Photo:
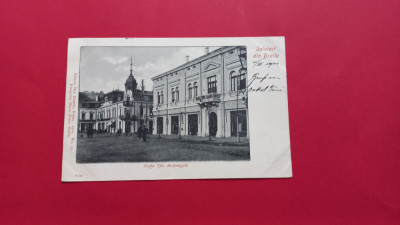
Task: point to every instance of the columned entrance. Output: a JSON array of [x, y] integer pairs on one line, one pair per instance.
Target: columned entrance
[[213, 124]]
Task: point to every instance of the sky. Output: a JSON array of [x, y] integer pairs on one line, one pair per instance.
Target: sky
[[107, 68]]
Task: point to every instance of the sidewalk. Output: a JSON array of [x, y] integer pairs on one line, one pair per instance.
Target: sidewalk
[[221, 141], [227, 141]]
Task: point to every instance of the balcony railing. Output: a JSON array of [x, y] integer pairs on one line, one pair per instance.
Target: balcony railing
[[213, 97], [128, 103], [88, 120], [103, 119]]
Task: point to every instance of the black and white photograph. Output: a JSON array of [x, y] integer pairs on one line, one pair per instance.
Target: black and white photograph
[[161, 104]]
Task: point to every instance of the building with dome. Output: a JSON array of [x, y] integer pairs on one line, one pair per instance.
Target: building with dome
[[125, 110]]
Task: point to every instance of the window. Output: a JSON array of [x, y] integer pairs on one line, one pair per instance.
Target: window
[[177, 94], [83, 115], [120, 111], [212, 84], [234, 80], [172, 95], [91, 116], [190, 91], [162, 97], [158, 98], [141, 110], [195, 89], [242, 84], [128, 98]]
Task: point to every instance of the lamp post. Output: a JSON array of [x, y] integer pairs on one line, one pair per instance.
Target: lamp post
[[237, 110], [180, 125], [243, 64], [158, 125]]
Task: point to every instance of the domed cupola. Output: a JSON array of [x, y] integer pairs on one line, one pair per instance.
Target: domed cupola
[[131, 83]]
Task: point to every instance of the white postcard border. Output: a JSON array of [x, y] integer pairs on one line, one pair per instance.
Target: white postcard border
[[268, 120]]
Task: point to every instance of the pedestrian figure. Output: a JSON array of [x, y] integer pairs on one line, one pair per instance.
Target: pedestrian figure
[[140, 132], [144, 133]]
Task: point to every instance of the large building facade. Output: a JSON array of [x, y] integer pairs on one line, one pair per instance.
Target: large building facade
[[203, 96], [116, 110]]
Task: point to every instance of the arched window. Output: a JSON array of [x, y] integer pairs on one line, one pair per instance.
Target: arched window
[[195, 89], [177, 94], [172, 95], [128, 98], [190, 91], [234, 81], [242, 73]]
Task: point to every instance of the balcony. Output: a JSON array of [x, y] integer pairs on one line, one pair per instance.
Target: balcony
[[103, 119], [87, 120], [213, 97], [128, 103]]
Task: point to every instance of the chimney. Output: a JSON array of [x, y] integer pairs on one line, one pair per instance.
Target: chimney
[[206, 50], [187, 58]]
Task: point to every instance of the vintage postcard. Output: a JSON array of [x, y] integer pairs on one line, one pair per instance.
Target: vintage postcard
[[176, 108]]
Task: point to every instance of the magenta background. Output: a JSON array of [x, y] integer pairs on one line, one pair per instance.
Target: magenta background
[[343, 86]]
